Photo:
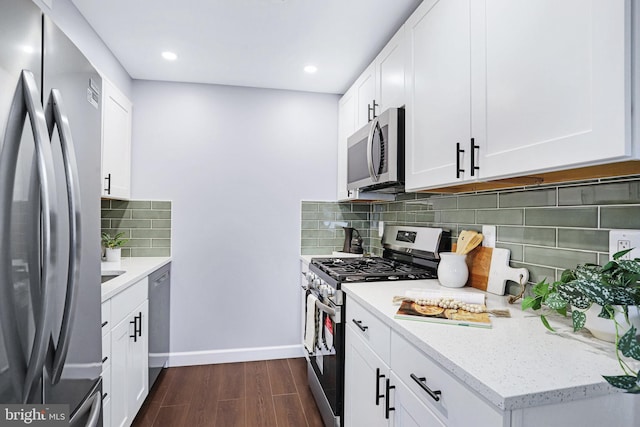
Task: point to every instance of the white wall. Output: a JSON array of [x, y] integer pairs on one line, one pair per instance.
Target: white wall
[[236, 163], [65, 15]]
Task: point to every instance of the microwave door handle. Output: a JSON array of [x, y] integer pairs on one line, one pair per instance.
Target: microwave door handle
[[372, 169]]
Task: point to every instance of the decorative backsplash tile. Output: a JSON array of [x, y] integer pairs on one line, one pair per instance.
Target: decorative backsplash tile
[[146, 223], [546, 228]]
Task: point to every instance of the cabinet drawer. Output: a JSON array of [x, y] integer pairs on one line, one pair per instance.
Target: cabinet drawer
[[370, 328], [126, 301], [456, 404], [106, 350], [106, 316]]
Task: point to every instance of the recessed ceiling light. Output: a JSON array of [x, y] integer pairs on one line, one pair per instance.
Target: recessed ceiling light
[[310, 69], [169, 56]]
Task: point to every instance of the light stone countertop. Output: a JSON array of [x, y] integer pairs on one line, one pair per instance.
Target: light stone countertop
[[135, 270], [515, 364]]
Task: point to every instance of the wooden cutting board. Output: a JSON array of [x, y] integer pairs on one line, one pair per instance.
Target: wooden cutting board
[[489, 269]]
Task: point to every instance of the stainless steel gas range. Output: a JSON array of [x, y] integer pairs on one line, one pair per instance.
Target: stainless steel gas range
[[410, 253]]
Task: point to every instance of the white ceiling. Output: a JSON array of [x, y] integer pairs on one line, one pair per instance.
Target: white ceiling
[[257, 43]]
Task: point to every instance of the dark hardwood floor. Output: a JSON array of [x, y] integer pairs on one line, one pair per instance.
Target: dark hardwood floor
[[251, 394]]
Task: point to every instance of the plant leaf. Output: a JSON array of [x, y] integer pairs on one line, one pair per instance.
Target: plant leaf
[[546, 324], [624, 296], [579, 318], [556, 302], [629, 265], [531, 302], [626, 382], [567, 276], [541, 289], [629, 345], [595, 291], [573, 296], [620, 254]]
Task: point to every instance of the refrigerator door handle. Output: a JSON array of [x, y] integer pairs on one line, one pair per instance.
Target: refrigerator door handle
[[56, 115], [26, 101]]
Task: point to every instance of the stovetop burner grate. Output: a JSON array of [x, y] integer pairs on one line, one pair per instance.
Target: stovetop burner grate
[[370, 269]]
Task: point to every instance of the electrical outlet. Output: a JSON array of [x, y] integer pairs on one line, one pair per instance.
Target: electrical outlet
[[620, 240], [489, 236]]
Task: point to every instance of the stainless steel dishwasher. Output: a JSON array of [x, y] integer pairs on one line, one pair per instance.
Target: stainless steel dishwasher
[[159, 320]]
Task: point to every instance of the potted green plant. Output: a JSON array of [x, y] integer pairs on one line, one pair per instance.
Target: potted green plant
[[615, 289], [113, 246]]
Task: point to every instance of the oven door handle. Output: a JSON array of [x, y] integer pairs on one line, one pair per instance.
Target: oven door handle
[[333, 312]]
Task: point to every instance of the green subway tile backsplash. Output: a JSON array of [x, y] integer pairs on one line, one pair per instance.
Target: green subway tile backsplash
[[547, 229], [146, 223], [562, 217]]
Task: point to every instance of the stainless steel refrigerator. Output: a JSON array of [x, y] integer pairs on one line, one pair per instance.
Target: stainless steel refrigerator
[[50, 144]]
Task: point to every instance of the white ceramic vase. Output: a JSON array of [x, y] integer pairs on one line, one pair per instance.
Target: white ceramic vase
[[452, 270], [113, 255], [605, 329]]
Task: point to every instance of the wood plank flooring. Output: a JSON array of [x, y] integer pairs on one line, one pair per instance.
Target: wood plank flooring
[[271, 393]]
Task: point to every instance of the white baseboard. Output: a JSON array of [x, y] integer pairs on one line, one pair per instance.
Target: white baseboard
[[208, 357]]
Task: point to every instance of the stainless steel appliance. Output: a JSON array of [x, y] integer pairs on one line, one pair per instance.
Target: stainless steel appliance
[[159, 320], [50, 130], [410, 253], [375, 154]]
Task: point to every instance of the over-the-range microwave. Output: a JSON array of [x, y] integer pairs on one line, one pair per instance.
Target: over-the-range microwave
[[375, 156]]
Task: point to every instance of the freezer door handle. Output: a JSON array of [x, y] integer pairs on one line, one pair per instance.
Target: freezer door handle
[[56, 116], [93, 404], [26, 101]]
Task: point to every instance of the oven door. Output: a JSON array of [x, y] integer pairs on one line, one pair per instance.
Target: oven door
[[372, 154], [326, 361]]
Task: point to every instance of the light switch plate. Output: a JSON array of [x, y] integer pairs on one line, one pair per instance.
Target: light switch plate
[[489, 236], [620, 240]]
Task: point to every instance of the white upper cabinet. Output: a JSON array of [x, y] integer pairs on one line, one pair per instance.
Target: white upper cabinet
[[365, 92], [438, 113], [390, 65], [116, 143], [346, 127], [539, 85], [551, 84]]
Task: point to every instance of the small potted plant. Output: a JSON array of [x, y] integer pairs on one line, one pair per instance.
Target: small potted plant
[[609, 295], [113, 246]]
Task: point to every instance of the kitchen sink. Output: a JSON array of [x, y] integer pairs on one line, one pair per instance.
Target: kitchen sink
[[107, 275]]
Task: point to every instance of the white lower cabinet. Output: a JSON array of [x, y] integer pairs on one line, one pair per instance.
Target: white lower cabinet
[[129, 347], [366, 377]]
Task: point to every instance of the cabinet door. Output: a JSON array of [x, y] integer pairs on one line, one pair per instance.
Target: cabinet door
[[390, 73], [346, 127], [365, 91], [409, 410], [116, 143], [556, 90], [120, 355], [138, 379], [365, 378], [438, 111]]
